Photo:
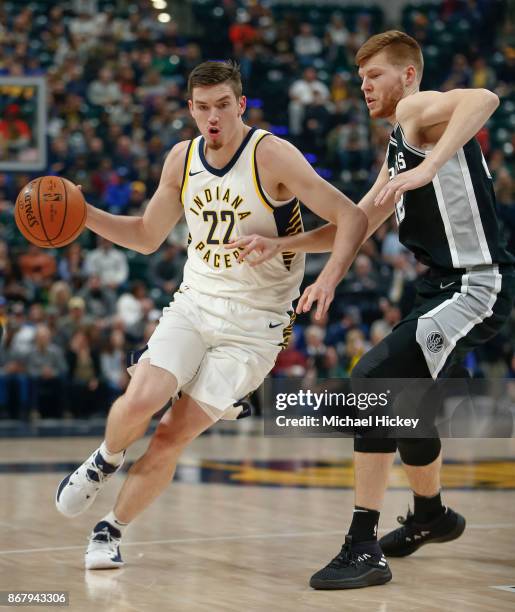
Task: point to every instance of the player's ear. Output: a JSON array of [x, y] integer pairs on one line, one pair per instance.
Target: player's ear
[[190, 106], [242, 105], [410, 76]]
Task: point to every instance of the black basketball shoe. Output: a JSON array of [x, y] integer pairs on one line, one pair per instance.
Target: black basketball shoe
[[356, 566], [411, 535]]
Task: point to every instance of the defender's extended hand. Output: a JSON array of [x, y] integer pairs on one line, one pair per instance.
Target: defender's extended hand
[[265, 248], [322, 292], [406, 181]]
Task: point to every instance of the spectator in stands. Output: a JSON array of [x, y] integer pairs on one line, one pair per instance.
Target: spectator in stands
[[130, 307], [23, 329], [290, 361], [337, 331], [36, 265], [46, 366], [14, 381], [315, 347], [353, 145], [301, 94], [166, 268], [337, 34], [74, 321], [330, 366], [242, 32], [339, 89], [307, 45], [482, 74], [100, 300], [317, 120], [108, 263], [460, 74], [104, 90], [71, 264], [59, 296], [85, 391], [256, 118], [112, 365], [378, 330], [118, 192]]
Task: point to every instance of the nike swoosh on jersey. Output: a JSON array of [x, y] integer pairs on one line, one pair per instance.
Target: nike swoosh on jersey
[[194, 173], [442, 286], [271, 325]]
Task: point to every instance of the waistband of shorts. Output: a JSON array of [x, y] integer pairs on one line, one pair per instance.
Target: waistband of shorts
[[205, 300], [437, 272]]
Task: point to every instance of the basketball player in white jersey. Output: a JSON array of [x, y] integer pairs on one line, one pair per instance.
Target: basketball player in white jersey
[[220, 336]]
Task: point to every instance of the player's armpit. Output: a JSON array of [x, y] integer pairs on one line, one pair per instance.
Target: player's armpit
[[165, 209]]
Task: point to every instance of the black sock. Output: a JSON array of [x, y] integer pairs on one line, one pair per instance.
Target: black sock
[[364, 525], [427, 508]]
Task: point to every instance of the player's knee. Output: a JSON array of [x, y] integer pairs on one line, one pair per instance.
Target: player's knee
[[169, 439], [419, 451], [374, 445], [143, 400]]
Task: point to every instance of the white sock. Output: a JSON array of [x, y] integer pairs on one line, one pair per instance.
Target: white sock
[[112, 520], [112, 458]]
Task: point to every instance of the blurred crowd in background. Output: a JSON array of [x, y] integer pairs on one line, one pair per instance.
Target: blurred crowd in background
[[116, 77]]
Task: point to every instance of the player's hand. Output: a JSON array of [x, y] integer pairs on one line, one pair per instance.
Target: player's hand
[[322, 292], [406, 181], [263, 248]]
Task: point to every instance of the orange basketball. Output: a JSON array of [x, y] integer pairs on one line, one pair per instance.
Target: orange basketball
[[50, 211]]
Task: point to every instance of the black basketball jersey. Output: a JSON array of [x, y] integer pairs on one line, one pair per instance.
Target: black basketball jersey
[[450, 222]]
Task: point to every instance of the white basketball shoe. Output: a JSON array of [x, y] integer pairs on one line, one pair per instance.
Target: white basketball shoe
[[104, 547], [78, 490]]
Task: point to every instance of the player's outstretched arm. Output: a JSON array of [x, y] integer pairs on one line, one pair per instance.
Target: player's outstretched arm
[[319, 240], [286, 165], [146, 233], [447, 119]]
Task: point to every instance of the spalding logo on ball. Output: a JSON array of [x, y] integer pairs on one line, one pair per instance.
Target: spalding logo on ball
[[50, 211]]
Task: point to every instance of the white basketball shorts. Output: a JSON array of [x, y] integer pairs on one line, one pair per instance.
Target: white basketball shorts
[[219, 350]]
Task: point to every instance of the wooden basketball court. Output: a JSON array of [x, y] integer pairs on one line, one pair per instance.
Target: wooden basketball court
[[247, 522]]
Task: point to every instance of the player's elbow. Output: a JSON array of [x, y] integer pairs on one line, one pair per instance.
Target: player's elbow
[[490, 98], [148, 249]]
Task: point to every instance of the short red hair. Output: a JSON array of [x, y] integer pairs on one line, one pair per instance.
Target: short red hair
[[401, 49]]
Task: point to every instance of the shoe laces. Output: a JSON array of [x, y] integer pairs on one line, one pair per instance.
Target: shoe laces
[[406, 520], [346, 557], [95, 473], [407, 526], [105, 539]]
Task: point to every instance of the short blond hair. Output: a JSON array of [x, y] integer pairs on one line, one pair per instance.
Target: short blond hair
[[401, 50]]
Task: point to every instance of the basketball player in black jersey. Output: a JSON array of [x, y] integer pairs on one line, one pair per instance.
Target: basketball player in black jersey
[[437, 183]]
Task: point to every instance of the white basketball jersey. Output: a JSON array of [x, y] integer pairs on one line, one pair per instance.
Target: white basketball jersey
[[223, 204]]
